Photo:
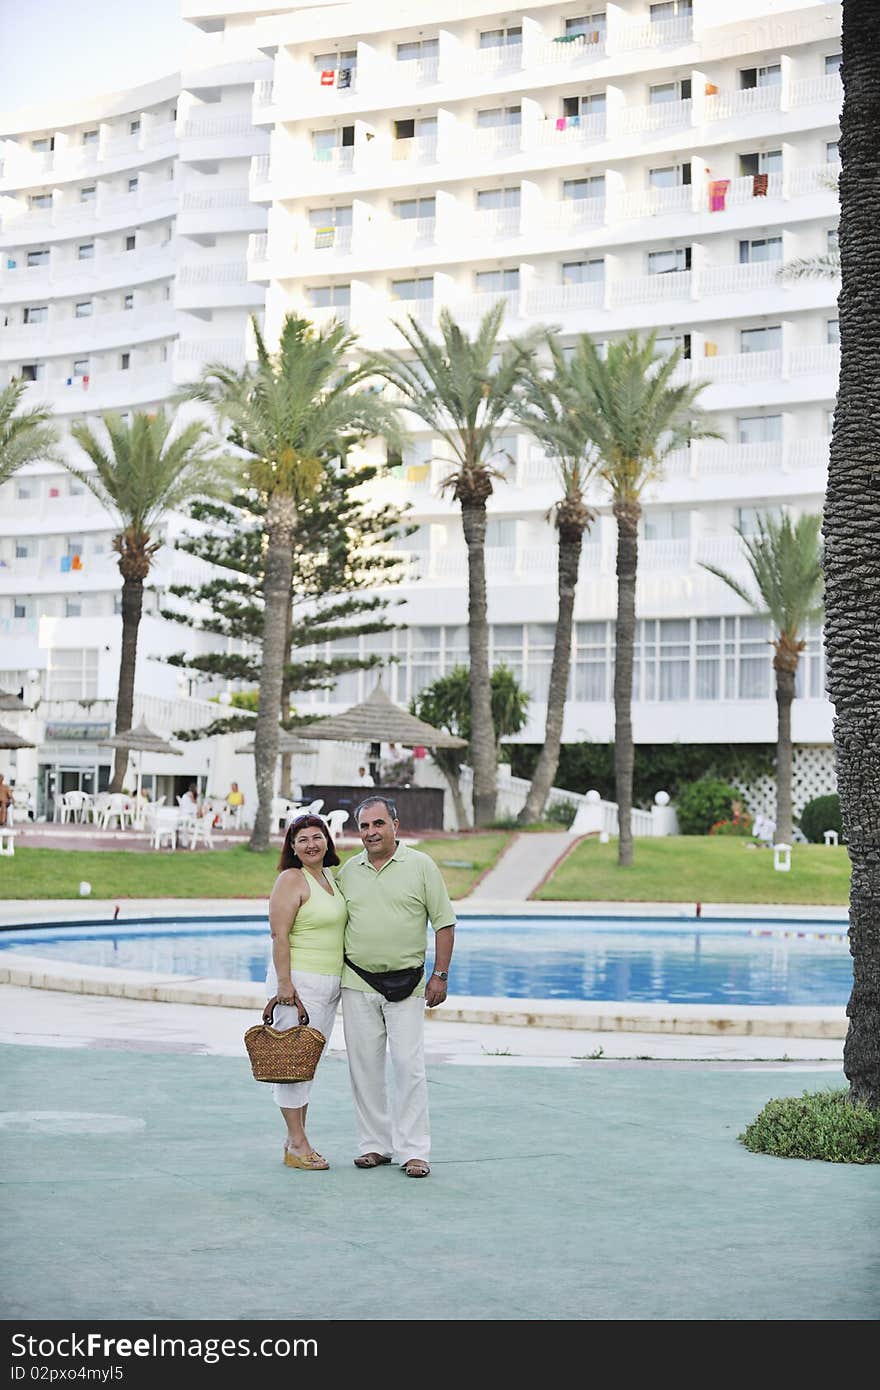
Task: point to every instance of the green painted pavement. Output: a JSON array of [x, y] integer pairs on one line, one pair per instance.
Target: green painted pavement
[[603, 1191]]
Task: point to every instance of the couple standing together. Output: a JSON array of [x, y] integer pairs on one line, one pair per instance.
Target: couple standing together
[[347, 935]]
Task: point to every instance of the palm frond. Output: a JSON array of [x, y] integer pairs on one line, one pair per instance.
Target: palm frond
[[784, 558], [825, 267], [26, 436]]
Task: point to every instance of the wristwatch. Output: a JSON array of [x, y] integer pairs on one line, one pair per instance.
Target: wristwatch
[[442, 975]]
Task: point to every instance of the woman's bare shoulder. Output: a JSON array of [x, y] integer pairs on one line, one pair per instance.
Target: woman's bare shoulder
[[291, 882]]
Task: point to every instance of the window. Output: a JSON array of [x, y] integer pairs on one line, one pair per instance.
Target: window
[[669, 91], [766, 162], [665, 262], [89, 194], [40, 257], [760, 339], [134, 127], [21, 608], [593, 104], [83, 310], [72, 674], [592, 661], [832, 332], [539, 657], [130, 241], [493, 199], [408, 209], [831, 242], [22, 549], [405, 129], [832, 63], [669, 176], [85, 251], [417, 48], [667, 344], [330, 217], [44, 144], [40, 201], [499, 116], [587, 25], [38, 313], [81, 367], [768, 76], [133, 184], [496, 281], [501, 38], [124, 361], [759, 429], [667, 524], [91, 137], [583, 272], [747, 518], [760, 249], [593, 186], [332, 62], [329, 296], [422, 288], [832, 152], [73, 607], [75, 488], [33, 371], [671, 9], [128, 301]]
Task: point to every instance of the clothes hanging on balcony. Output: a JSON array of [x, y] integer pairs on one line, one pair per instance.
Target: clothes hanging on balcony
[[76, 562], [328, 77], [561, 122], [65, 563], [759, 185], [718, 194], [711, 90], [324, 236], [343, 78], [710, 349]]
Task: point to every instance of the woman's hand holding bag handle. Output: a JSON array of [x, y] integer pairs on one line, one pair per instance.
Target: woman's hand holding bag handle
[[269, 1010]]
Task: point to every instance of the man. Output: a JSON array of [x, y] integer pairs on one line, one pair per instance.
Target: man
[[364, 779], [392, 893], [6, 800]]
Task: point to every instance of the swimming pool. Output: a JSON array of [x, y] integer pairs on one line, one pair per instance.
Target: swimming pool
[[637, 959]]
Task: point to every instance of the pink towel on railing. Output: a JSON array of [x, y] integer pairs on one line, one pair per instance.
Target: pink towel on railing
[[718, 194], [560, 123]]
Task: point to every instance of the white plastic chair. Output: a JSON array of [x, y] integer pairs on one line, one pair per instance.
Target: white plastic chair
[[164, 826], [202, 829], [62, 810], [117, 808], [314, 807], [76, 803], [335, 821]]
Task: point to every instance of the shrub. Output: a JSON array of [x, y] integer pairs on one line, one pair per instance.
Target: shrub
[[703, 804], [825, 1125], [740, 823], [819, 815], [561, 813]]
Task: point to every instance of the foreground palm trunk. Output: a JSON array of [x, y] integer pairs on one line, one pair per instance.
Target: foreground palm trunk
[[852, 541], [473, 516], [280, 529], [571, 522], [134, 566], [627, 515]]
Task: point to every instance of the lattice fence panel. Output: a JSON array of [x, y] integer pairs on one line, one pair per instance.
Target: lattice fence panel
[[813, 774]]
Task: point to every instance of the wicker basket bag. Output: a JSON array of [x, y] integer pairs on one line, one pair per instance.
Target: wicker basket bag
[[284, 1054]]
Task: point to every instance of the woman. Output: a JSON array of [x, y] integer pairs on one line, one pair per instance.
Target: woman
[[307, 915]]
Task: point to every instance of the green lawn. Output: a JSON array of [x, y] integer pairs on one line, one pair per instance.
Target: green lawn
[[693, 868], [219, 873]]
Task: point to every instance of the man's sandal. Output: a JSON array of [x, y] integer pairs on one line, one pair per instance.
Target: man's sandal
[[371, 1160], [416, 1168]]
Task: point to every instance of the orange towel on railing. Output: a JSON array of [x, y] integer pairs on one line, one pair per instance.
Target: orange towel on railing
[[710, 349], [711, 89], [759, 185], [718, 194]]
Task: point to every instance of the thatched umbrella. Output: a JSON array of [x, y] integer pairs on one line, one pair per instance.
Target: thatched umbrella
[[11, 702], [287, 743], [379, 720], [141, 740], [9, 739]]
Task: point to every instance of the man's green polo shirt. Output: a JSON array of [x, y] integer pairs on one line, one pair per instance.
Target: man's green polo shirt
[[389, 911]]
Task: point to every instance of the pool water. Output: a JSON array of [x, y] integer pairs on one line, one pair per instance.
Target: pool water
[[641, 961]]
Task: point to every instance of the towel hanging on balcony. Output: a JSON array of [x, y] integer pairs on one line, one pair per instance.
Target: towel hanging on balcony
[[343, 78], [560, 122], [711, 90], [718, 194], [759, 185], [328, 77], [324, 236], [76, 562], [65, 563], [710, 349]]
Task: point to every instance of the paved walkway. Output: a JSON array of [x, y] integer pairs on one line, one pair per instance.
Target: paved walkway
[[525, 864]]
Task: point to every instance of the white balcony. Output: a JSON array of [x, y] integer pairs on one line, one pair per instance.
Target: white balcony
[[725, 105], [105, 390], [417, 72], [407, 233], [421, 149], [258, 245], [563, 132], [537, 469], [712, 460], [742, 190], [554, 299], [816, 91], [664, 555], [196, 201], [739, 366], [66, 334], [422, 310], [196, 352], [648, 289], [496, 224], [264, 94], [572, 215], [493, 140], [328, 314], [589, 47], [735, 279], [665, 33], [815, 361], [653, 202], [479, 304], [338, 160], [661, 115], [217, 127], [807, 453], [821, 178], [489, 62], [213, 273]]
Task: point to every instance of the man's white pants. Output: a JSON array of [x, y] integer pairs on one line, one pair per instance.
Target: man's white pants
[[372, 1024]]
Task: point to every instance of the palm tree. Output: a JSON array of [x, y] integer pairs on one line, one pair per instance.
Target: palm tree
[[635, 417], [851, 527], [785, 559], [825, 267], [291, 414], [462, 388], [143, 471], [549, 409], [25, 435]]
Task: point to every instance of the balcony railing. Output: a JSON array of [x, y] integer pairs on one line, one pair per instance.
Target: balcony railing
[[193, 201], [476, 305], [264, 93], [665, 555], [338, 160], [813, 91], [421, 149], [643, 289], [496, 139], [713, 459], [486, 62], [742, 190], [733, 279], [723, 105], [815, 361], [580, 47], [417, 72], [213, 273], [258, 243], [560, 132], [820, 178], [659, 34], [490, 224], [227, 350], [553, 299], [216, 127], [573, 214], [654, 202], [740, 366], [408, 232], [658, 116]]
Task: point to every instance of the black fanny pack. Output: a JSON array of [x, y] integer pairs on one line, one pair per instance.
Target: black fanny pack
[[394, 985]]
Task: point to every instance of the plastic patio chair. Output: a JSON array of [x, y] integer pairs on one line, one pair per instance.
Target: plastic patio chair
[[202, 829], [164, 826], [335, 821], [117, 808]]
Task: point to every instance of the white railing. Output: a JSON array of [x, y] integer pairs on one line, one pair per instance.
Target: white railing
[[339, 159], [807, 453], [496, 139], [320, 239], [418, 71], [711, 459], [486, 62], [536, 469], [422, 310], [497, 222], [259, 170], [213, 273], [412, 231], [476, 305], [742, 190], [657, 116], [820, 178], [653, 202], [326, 314], [641, 289], [666, 555], [159, 134], [264, 92], [421, 149], [811, 91], [216, 127], [258, 244], [740, 366], [555, 298], [815, 361], [228, 350], [221, 198], [720, 551], [742, 103], [551, 133], [733, 279], [660, 34], [570, 214]]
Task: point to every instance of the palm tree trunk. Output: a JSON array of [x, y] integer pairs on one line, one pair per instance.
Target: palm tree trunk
[[473, 517], [280, 529], [286, 758], [571, 536], [851, 526], [784, 696], [459, 807], [132, 609], [627, 514]]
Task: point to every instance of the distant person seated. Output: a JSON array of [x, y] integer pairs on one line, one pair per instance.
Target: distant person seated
[[189, 802], [7, 799], [234, 797], [364, 779]]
